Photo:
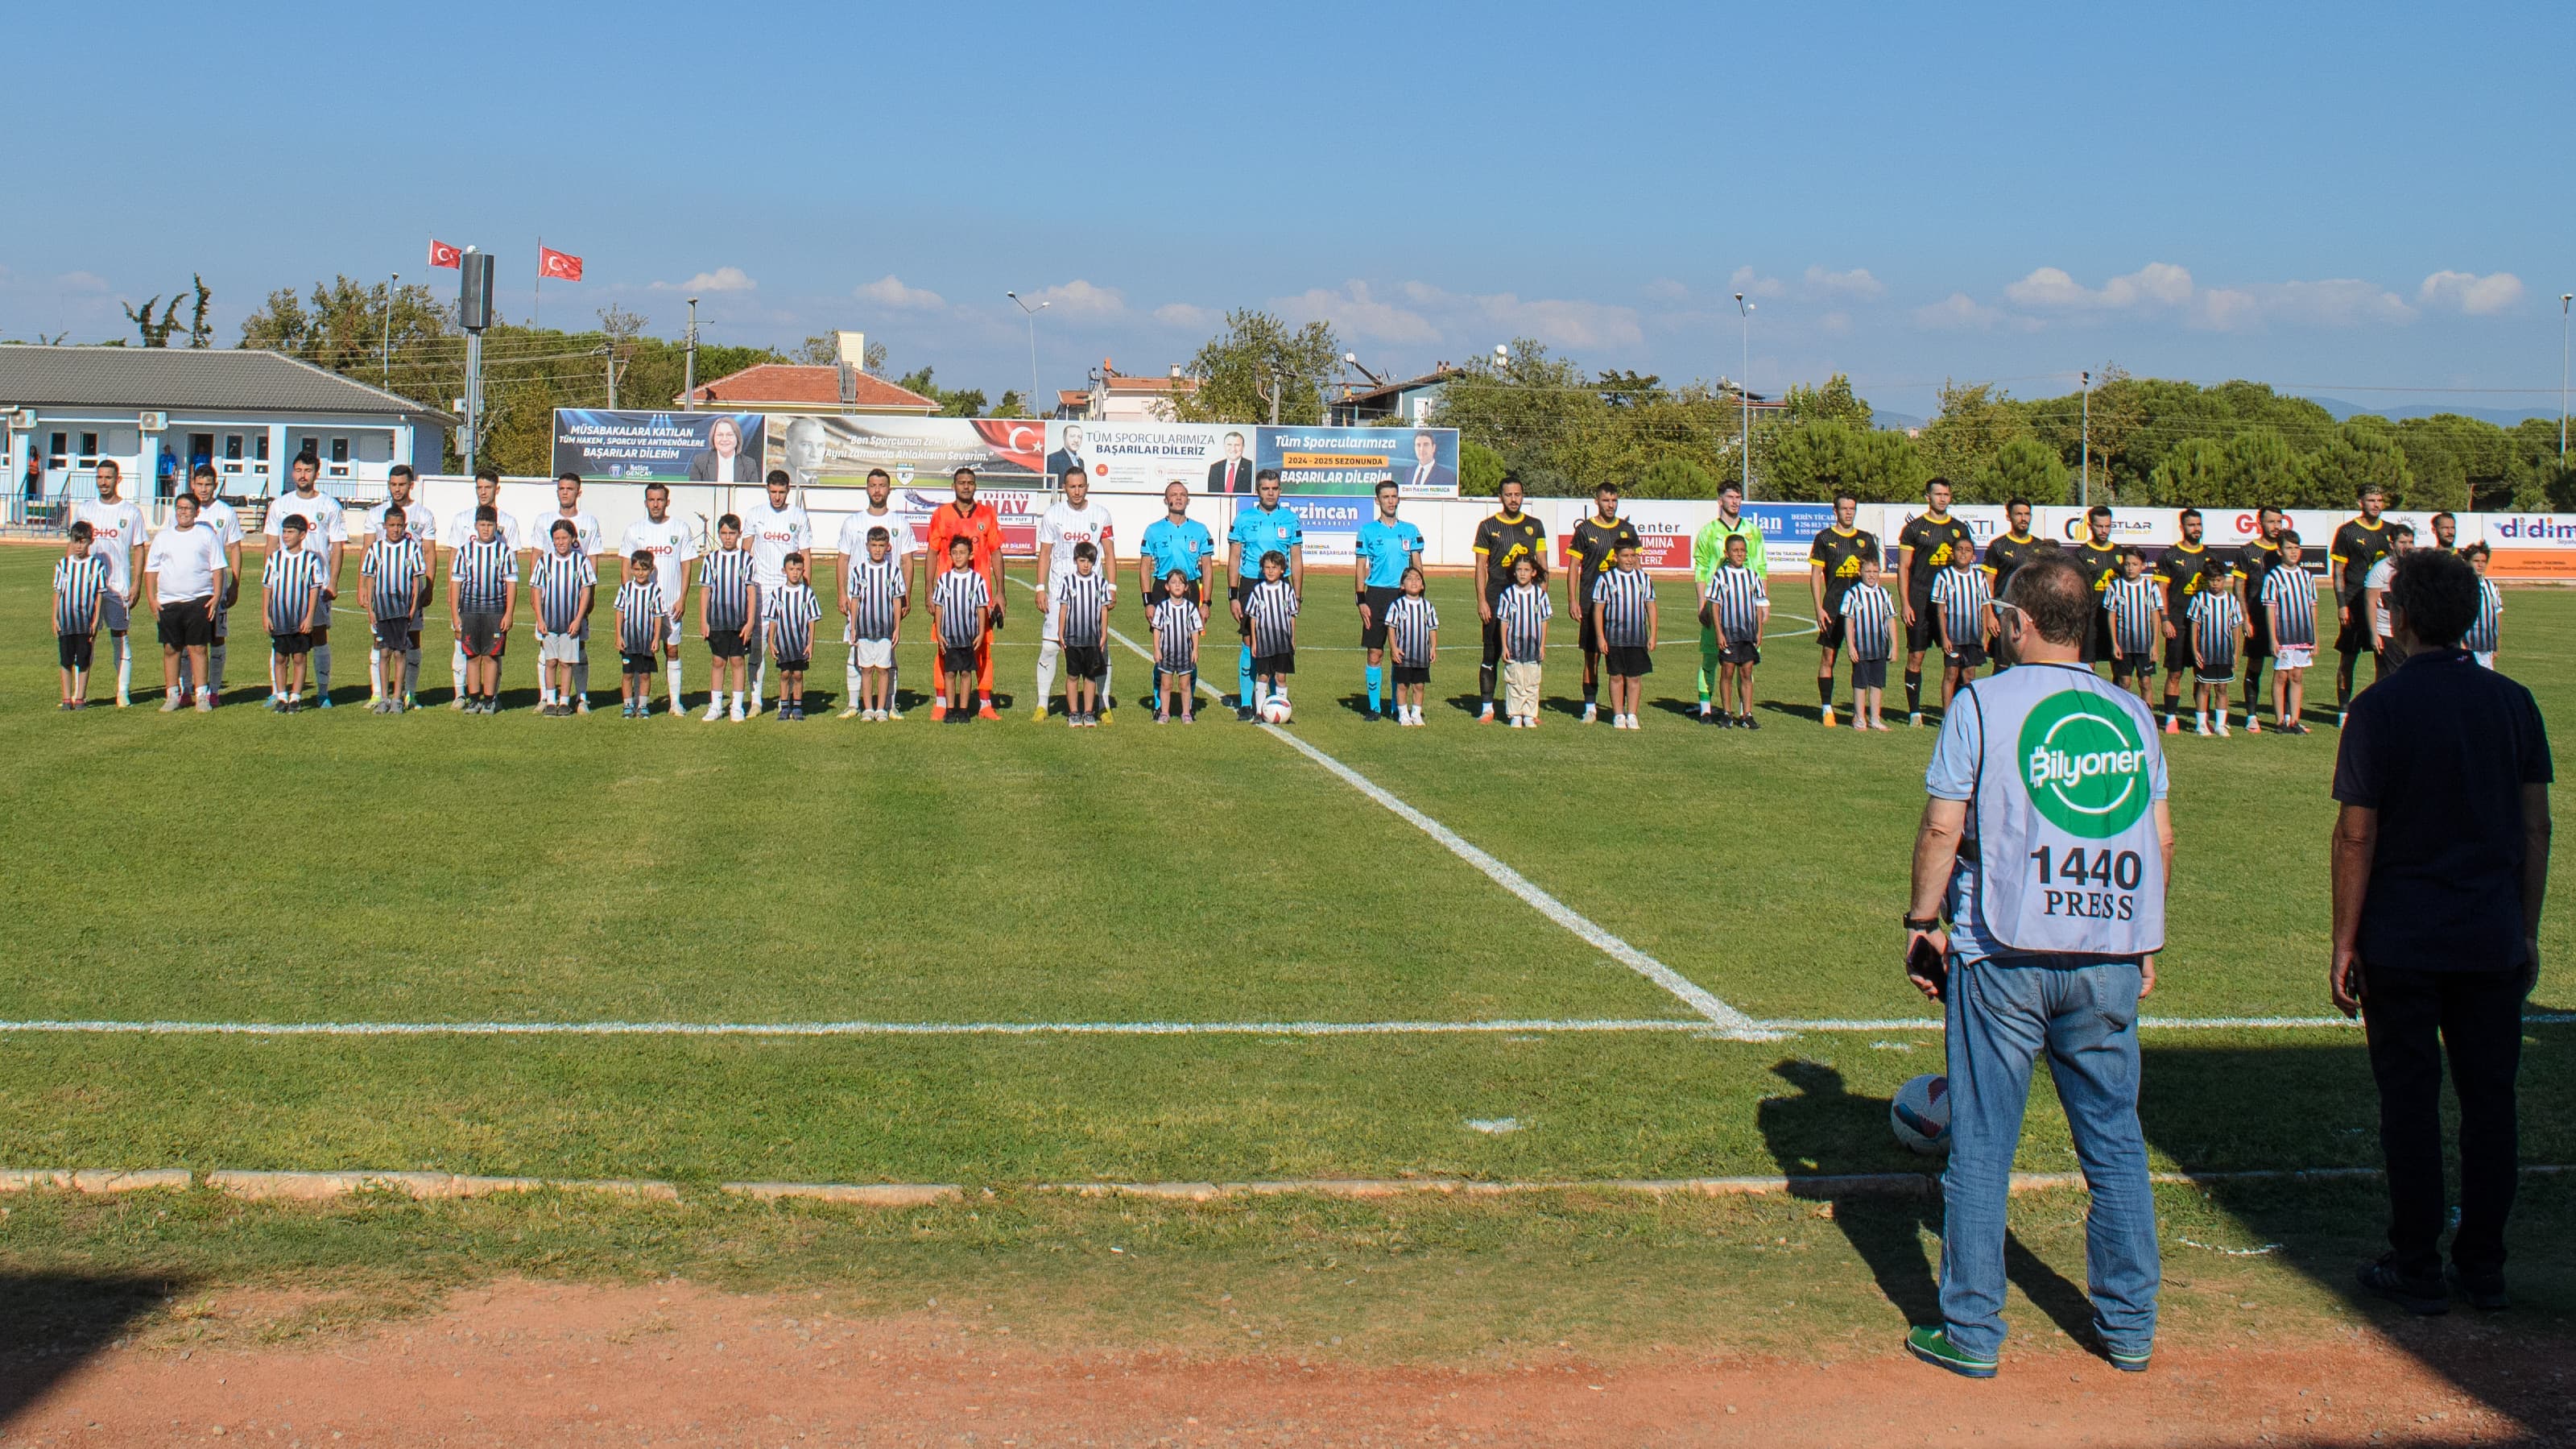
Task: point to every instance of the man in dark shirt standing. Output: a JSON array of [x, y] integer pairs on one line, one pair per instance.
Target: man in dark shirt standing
[[2254, 564], [2441, 857], [1502, 540], [1833, 567], [2184, 569], [2016, 546], [1923, 548], [2099, 560], [1595, 541], [2361, 542]]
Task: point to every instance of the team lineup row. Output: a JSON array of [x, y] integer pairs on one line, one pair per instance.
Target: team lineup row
[[757, 607]]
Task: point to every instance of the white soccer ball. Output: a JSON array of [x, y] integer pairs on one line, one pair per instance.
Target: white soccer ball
[[1274, 710], [1921, 1115]]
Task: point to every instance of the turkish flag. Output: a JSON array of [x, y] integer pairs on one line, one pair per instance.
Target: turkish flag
[[562, 266], [443, 255]]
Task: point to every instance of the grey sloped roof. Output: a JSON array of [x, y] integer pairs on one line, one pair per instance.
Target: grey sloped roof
[[210, 379]]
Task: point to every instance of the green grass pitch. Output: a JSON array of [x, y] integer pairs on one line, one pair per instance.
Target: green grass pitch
[[348, 868]]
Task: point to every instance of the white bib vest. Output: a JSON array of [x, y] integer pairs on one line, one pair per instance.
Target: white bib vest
[[2063, 815]]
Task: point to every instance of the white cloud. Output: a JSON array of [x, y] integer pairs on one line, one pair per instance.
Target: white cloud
[[2477, 296], [1187, 315], [1665, 289], [2336, 302], [722, 279], [1753, 284], [2155, 284], [1561, 322], [1855, 283], [889, 291], [1355, 311], [1957, 312], [1082, 299]]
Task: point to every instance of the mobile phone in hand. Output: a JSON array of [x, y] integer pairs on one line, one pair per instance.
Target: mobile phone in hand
[[1925, 961]]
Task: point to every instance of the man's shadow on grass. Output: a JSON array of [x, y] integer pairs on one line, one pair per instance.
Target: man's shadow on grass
[[1825, 1133], [51, 1324]]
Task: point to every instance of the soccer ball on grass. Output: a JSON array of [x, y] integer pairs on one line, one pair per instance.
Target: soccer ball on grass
[[1274, 710]]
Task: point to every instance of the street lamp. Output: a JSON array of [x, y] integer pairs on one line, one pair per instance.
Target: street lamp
[[2563, 299], [2085, 463], [1744, 389], [1033, 345], [387, 364]]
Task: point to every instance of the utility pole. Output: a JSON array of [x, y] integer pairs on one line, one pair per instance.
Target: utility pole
[[1032, 312], [689, 365], [2563, 299], [608, 350], [386, 375], [1744, 391], [2086, 455]]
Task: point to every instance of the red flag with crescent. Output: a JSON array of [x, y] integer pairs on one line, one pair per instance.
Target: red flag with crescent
[[558, 266], [443, 255]]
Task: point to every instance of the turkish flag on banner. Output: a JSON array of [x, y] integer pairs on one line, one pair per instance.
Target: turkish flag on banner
[[562, 266], [443, 255]]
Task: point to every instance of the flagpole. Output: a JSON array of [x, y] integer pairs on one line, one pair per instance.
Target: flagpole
[[537, 310]]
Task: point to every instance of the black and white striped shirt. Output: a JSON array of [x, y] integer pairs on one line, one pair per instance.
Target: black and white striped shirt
[[2132, 605], [2291, 592], [1176, 623], [292, 576], [961, 598], [1410, 622], [1082, 602], [726, 576], [1523, 611], [643, 621], [561, 582], [1624, 599], [397, 570], [481, 574], [792, 612], [2216, 620], [1271, 605], [78, 585], [1869, 622], [1961, 596], [2481, 638], [875, 588], [1736, 596]]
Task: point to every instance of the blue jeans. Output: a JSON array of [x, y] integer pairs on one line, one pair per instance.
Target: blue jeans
[[2083, 1011]]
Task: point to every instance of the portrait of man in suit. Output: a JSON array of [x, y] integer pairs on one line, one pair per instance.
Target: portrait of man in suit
[[809, 448], [1069, 455], [1428, 474], [724, 461], [1233, 472]]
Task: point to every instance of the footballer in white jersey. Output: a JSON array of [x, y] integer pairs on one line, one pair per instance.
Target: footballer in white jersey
[[418, 521], [116, 530], [673, 543], [775, 528], [1065, 524], [460, 527], [325, 524]]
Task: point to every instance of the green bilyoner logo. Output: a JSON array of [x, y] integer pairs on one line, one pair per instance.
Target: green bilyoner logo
[[2086, 764]]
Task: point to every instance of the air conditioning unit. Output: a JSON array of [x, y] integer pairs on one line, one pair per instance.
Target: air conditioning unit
[[155, 422], [24, 420]]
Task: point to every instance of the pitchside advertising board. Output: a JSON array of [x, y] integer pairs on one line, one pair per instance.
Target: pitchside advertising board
[[1667, 527], [650, 447]]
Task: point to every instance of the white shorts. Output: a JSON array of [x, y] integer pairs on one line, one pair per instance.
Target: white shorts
[[671, 634], [2294, 656], [562, 649], [874, 653], [2485, 660], [112, 613]]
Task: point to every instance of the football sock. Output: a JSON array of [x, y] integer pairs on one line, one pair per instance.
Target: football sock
[[759, 676], [1046, 676], [215, 665], [675, 681], [375, 675], [1243, 673], [1914, 691], [737, 700], [1825, 691], [2204, 718], [322, 672], [456, 661], [1106, 698], [411, 675], [124, 667], [1376, 686], [1592, 691], [581, 678]]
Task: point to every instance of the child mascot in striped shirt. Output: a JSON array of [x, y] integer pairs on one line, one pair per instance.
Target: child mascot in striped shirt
[[1523, 610], [643, 622], [1413, 637]]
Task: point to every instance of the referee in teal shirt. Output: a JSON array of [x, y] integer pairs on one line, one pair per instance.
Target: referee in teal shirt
[[1385, 548]]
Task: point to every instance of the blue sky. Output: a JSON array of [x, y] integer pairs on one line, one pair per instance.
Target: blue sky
[[2328, 198]]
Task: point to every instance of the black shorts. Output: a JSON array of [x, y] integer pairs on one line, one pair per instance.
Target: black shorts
[[2097, 641], [1869, 674], [1746, 653], [1274, 663], [1412, 674], [1085, 661], [2354, 636], [2221, 672], [394, 634], [727, 644], [1925, 632], [75, 650], [1831, 630], [1628, 661], [1373, 633], [1967, 656], [637, 663], [956, 660], [2141, 664], [793, 666], [186, 624], [288, 645], [2178, 654], [1587, 633], [483, 636], [2258, 638]]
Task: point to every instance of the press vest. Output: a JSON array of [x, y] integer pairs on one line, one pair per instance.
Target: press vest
[[2063, 815]]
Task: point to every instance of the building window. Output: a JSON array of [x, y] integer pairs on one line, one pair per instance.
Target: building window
[[339, 450], [61, 449], [263, 447], [232, 448], [89, 445]]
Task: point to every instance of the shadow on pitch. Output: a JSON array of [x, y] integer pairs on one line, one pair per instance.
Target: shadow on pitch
[[52, 1323], [1827, 1132]]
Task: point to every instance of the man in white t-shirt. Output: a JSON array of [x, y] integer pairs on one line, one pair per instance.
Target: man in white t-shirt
[[853, 546], [591, 539], [183, 579], [225, 521], [1070, 520], [117, 534], [774, 528], [673, 543], [460, 528], [2385, 652], [419, 523], [326, 533]]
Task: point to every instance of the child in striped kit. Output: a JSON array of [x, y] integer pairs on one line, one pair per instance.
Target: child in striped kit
[[2217, 637], [2137, 610], [1624, 597], [1082, 601], [643, 622], [792, 612], [397, 572], [1270, 608], [1736, 605], [1178, 622], [879, 597], [1961, 595], [2290, 601], [728, 612], [2486, 631], [1869, 626], [292, 580], [562, 585], [1523, 611], [1412, 636], [960, 607], [80, 581]]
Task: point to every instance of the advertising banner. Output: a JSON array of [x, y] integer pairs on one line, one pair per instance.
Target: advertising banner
[[1424, 461], [1145, 457], [2528, 545], [1331, 523], [1019, 508], [647, 447], [837, 452]]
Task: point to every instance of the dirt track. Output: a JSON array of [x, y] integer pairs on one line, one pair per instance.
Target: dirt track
[[521, 1363]]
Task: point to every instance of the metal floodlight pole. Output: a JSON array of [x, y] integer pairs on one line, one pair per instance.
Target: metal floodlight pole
[[2563, 299], [1032, 313], [2085, 456], [689, 366], [1744, 394], [386, 365]]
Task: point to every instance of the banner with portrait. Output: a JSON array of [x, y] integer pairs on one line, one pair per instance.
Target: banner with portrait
[[1147, 457], [665, 447], [838, 451], [1422, 461]]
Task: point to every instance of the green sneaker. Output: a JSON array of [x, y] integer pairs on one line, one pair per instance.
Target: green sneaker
[[1933, 1346], [2126, 1361]]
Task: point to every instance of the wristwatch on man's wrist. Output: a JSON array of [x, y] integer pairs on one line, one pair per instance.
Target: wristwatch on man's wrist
[[1922, 923]]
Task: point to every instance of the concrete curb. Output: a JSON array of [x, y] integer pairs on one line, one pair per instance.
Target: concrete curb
[[868, 1194], [89, 1180]]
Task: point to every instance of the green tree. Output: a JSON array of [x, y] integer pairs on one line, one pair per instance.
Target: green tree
[[2193, 475], [1256, 359], [155, 333], [1814, 460], [1834, 401], [2024, 467], [2356, 458], [2261, 469], [1673, 476], [1974, 423], [342, 326], [1480, 470], [953, 402]]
